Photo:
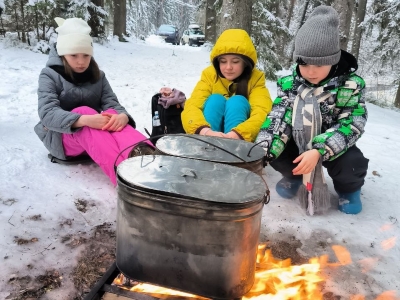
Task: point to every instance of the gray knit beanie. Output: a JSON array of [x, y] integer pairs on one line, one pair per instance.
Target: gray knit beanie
[[317, 42]]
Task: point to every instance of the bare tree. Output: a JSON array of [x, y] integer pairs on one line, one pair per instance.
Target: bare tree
[[355, 47], [235, 14], [120, 19]]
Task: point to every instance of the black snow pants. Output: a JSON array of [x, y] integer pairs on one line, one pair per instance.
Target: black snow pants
[[347, 171]]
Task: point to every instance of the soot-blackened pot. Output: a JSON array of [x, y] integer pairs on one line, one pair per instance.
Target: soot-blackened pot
[[189, 225]]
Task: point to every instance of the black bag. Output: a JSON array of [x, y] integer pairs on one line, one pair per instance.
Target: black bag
[[170, 118]]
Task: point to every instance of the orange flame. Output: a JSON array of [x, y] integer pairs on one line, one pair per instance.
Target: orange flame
[[279, 280], [386, 227], [342, 254], [357, 297], [389, 243], [388, 295], [368, 263], [157, 291]]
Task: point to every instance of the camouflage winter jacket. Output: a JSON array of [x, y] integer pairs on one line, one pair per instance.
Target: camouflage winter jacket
[[344, 116]]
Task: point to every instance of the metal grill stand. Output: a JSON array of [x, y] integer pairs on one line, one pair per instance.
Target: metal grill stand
[[104, 285]]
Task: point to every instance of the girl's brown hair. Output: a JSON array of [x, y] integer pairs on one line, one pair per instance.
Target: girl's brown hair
[[242, 81], [93, 69]]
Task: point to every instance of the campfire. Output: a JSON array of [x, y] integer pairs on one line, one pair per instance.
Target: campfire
[[274, 279]]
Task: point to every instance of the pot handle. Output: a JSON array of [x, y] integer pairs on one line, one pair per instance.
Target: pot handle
[[267, 196]]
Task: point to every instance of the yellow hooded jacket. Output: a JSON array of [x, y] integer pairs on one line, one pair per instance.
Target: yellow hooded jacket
[[231, 41]]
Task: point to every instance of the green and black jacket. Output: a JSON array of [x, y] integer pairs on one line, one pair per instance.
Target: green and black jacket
[[344, 116]]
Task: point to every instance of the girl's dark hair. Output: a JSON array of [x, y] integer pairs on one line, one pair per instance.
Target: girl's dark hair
[[93, 70], [242, 81]]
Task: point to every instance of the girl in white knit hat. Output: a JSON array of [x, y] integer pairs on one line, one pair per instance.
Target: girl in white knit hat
[[79, 113], [317, 118]]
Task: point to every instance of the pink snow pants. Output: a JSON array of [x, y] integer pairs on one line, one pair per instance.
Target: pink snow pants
[[102, 146]]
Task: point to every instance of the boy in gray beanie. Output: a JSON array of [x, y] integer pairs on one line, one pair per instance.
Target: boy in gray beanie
[[317, 118]]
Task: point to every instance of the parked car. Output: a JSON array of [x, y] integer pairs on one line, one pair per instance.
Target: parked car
[[193, 36], [169, 32]]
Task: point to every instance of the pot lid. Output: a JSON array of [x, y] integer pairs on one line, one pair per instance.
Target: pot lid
[[210, 148], [196, 179]]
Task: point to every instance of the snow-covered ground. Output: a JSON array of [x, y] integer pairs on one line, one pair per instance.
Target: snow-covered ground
[[31, 185]]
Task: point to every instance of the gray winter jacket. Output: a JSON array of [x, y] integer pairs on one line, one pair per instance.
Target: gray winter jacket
[[57, 97]]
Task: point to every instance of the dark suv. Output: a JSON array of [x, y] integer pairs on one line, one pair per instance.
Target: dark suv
[[170, 33]]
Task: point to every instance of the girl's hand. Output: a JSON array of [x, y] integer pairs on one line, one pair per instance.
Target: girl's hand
[[93, 121], [116, 122], [208, 132], [307, 162], [232, 135]]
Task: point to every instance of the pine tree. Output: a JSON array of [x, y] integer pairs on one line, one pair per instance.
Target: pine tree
[[265, 31]]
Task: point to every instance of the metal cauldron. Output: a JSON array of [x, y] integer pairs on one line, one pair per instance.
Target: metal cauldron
[[234, 152], [189, 225]]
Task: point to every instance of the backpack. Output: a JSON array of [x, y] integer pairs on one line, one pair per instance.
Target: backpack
[[169, 119]]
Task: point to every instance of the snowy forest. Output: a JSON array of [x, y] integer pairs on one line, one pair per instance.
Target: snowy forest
[[368, 28]]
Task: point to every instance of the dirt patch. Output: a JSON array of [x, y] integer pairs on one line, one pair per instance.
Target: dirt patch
[[9, 202], [82, 205], [97, 256], [95, 259], [35, 217], [73, 241], [285, 249], [21, 241], [33, 288], [66, 222]]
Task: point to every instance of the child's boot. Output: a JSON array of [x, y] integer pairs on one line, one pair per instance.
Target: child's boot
[[350, 203], [288, 187]]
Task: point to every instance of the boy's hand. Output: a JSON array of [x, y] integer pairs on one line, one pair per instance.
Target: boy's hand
[[307, 162], [116, 122]]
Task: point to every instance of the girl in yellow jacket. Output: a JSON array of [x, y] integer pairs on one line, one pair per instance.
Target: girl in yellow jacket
[[231, 99]]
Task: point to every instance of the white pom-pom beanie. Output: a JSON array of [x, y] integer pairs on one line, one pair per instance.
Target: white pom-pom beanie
[[73, 37]]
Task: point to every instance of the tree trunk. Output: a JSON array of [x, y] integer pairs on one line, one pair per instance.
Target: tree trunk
[[37, 23], [301, 22], [290, 12], [397, 99], [44, 23], [303, 13], [160, 12], [16, 21], [235, 14], [211, 26], [23, 21], [95, 20], [355, 47], [120, 19], [345, 11]]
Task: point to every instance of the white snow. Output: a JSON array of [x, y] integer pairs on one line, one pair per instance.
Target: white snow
[[31, 185]]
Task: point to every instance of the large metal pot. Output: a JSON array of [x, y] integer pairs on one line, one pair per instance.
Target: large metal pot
[[189, 225], [234, 152]]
